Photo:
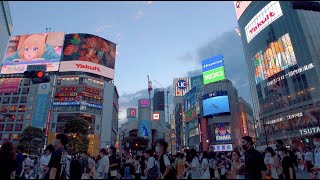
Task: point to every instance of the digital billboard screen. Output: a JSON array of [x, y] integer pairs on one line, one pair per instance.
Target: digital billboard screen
[[216, 105], [212, 63], [214, 75], [10, 85], [144, 128], [276, 57], [220, 132], [88, 53], [33, 49], [190, 103]]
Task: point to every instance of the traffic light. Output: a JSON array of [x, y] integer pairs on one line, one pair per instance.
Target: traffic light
[[37, 77], [10, 116]]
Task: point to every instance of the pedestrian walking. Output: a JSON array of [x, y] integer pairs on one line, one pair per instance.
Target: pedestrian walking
[[287, 164], [166, 170], [195, 165], [237, 165], [254, 162], [104, 164], [7, 161], [316, 169], [204, 166], [273, 163]]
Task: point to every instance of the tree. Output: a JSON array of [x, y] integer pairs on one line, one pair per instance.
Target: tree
[[78, 131], [32, 139]]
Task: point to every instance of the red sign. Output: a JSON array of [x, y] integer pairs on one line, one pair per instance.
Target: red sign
[[156, 116], [67, 99], [264, 20], [91, 90], [68, 89], [10, 85], [91, 96], [133, 112]]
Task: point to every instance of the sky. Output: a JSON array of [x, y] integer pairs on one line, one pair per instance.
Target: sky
[[154, 38]]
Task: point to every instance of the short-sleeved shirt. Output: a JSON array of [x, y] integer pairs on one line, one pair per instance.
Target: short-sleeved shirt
[[104, 162], [254, 164], [286, 165], [55, 161]]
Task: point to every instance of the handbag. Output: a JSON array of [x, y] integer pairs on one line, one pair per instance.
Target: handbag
[[153, 173]]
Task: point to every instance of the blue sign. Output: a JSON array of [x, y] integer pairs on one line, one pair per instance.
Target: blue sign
[[216, 105], [77, 103], [190, 99], [144, 128], [40, 111], [212, 63], [197, 81], [182, 84]]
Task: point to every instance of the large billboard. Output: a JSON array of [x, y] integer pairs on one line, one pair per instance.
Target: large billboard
[[240, 7], [276, 57], [216, 105], [197, 81], [214, 75], [41, 108], [9, 85], [33, 49], [144, 128], [262, 19], [181, 86], [220, 132], [88, 53], [190, 104], [212, 63]]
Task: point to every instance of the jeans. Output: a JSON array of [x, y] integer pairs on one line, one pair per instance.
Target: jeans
[[106, 175]]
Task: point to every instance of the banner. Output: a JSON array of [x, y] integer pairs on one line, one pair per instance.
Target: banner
[[10, 85], [145, 128]]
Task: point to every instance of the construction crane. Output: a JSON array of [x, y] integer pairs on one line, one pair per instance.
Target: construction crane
[[167, 92]]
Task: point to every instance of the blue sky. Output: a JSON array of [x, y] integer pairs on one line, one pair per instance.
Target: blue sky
[[155, 38]]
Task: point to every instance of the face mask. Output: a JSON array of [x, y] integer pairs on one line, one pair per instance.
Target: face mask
[[244, 147], [157, 149], [235, 158], [317, 144]]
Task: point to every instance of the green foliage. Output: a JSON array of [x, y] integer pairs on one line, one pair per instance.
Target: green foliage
[[78, 131], [32, 139]]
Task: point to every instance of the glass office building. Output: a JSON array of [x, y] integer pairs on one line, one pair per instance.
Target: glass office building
[[6, 27], [281, 45]]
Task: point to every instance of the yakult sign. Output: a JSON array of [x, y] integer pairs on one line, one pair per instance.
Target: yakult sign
[[266, 16]]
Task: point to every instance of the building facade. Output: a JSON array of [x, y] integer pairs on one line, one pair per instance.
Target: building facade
[[281, 45], [159, 103], [6, 27], [81, 87]]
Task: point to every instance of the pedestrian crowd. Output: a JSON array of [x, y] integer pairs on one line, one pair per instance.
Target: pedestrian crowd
[[244, 162]]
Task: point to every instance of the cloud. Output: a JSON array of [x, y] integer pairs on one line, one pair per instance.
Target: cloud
[[139, 14], [187, 56], [149, 2], [103, 28], [229, 45]]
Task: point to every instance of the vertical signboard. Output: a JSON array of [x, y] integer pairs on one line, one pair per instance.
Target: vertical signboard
[[213, 69], [41, 106], [181, 86], [10, 85], [144, 128]]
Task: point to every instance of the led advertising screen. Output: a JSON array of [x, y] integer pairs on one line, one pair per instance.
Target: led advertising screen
[[88, 53], [216, 105], [214, 75], [212, 63], [221, 132], [10, 85], [33, 49], [144, 128], [189, 100], [197, 81], [276, 57]]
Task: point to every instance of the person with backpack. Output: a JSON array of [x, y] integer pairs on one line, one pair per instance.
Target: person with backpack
[[166, 170], [57, 167], [152, 169], [76, 168]]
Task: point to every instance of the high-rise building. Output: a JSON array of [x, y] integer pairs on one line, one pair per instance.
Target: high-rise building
[[159, 103], [81, 87], [281, 45], [6, 27]]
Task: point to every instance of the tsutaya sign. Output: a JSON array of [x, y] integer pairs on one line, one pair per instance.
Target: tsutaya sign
[[266, 16], [310, 131]]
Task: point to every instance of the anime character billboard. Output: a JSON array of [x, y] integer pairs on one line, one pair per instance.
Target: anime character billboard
[[144, 128], [33, 49]]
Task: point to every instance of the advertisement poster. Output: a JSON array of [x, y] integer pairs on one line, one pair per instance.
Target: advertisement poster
[[181, 86], [10, 85], [212, 63], [197, 81], [190, 104], [89, 48], [41, 106], [216, 105], [33, 49], [276, 57], [214, 75], [221, 132], [144, 128]]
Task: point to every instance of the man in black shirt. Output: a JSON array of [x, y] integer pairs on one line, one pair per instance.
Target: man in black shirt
[[55, 162], [287, 164], [254, 162]]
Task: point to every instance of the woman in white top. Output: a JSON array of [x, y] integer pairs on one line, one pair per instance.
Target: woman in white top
[[272, 162], [204, 168], [104, 165], [195, 169], [150, 162]]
